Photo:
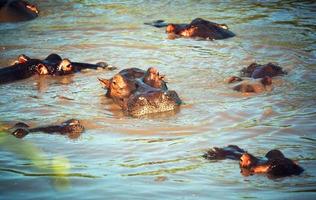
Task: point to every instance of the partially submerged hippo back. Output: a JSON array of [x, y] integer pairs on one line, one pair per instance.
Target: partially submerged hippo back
[[17, 10], [69, 127], [198, 28], [209, 30], [255, 70]]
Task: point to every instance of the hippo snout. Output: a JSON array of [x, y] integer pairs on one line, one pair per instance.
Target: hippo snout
[[153, 102]]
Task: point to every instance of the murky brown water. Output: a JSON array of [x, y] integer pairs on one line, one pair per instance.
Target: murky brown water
[[119, 157]]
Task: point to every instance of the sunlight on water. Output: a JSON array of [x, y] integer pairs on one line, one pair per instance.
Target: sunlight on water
[[156, 157]]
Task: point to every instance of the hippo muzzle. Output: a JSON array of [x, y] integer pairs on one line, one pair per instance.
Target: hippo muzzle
[[152, 102]]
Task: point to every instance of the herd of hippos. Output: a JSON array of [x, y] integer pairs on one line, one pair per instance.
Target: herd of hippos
[[139, 92]]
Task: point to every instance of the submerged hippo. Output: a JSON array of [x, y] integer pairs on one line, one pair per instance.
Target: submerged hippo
[[254, 85], [140, 92], [274, 164], [259, 78], [198, 28], [17, 10], [70, 127], [255, 70], [53, 64]]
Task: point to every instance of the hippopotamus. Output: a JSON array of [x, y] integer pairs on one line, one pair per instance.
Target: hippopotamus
[[69, 127], [140, 92], [274, 164], [53, 64], [17, 10], [258, 77], [254, 85], [255, 70], [198, 28]]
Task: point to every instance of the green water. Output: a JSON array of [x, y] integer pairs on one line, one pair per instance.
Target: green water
[[119, 157]]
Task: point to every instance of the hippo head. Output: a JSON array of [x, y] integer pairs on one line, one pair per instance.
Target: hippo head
[[118, 86], [154, 79], [65, 67], [152, 102], [254, 85], [247, 161]]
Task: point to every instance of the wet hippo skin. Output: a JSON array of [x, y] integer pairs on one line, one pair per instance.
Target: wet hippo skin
[[259, 78], [53, 64], [274, 164], [198, 28], [17, 10], [254, 85], [69, 127], [255, 70], [140, 92]]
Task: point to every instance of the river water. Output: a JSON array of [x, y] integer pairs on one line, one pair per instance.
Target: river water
[[159, 157]]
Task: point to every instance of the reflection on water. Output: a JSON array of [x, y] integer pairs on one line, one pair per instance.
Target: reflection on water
[[58, 167], [159, 156]]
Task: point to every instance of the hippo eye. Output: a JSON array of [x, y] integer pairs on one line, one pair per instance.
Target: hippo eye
[[113, 82]]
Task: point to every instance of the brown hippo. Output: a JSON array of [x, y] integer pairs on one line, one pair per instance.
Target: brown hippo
[[261, 77], [53, 64], [255, 70], [198, 28], [274, 164], [70, 127], [124, 83], [254, 85], [17, 10], [140, 92]]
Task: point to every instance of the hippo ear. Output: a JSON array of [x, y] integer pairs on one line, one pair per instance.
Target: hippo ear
[[22, 59], [104, 82], [41, 69]]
